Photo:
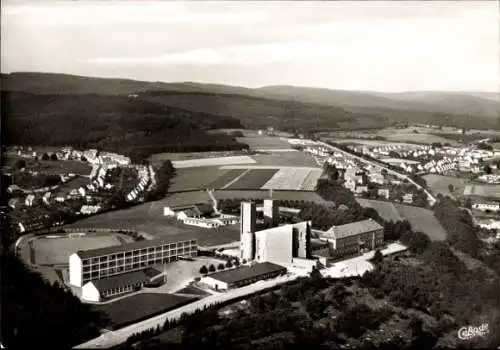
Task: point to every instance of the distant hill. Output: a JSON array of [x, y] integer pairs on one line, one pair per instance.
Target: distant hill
[[132, 126], [473, 104], [284, 107]]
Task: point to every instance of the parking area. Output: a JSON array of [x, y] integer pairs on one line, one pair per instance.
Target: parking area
[[180, 273]]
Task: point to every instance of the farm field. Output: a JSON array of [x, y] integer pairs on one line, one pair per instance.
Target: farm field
[[421, 219], [216, 161], [490, 191], [256, 142], [253, 179], [56, 251], [439, 184], [294, 179], [296, 158], [140, 306], [196, 178], [225, 179]]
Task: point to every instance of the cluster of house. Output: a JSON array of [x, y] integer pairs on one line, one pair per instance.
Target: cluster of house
[[146, 177], [486, 205]]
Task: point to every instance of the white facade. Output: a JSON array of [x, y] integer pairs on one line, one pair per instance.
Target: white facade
[[275, 245], [75, 270], [214, 283], [90, 292], [270, 209]]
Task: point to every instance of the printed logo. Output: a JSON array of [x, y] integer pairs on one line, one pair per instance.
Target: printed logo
[[470, 332]]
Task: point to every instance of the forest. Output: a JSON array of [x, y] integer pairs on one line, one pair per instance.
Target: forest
[[126, 125], [416, 302], [37, 314]]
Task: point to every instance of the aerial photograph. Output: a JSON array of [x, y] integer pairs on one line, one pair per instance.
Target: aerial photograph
[[245, 175]]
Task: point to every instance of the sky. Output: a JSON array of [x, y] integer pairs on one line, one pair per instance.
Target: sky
[[379, 46]]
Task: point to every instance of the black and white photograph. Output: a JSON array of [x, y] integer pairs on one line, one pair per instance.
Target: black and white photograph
[[250, 175]]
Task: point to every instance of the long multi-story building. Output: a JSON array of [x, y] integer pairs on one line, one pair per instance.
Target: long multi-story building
[[354, 238], [95, 264]]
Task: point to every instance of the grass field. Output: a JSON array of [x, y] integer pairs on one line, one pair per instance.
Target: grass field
[[421, 219], [55, 251], [385, 209], [294, 179], [253, 180], [490, 191], [139, 307], [216, 161], [158, 158], [439, 184]]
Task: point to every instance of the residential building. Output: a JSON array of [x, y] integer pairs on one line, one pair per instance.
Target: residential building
[[101, 263], [243, 276], [354, 238]]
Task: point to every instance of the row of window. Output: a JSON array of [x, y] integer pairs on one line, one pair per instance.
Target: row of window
[[258, 278], [97, 274], [147, 257], [134, 253], [119, 290]]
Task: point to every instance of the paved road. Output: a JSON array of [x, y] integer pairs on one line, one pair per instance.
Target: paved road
[[430, 197]]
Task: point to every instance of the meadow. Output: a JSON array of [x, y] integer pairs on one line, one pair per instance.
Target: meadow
[[216, 161], [421, 219], [51, 167], [199, 178], [439, 184]]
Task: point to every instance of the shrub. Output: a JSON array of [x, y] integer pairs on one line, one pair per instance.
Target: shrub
[[203, 270], [229, 264], [221, 266], [211, 268]]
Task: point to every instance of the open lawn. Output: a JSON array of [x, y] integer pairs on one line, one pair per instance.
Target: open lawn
[[139, 307], [294, 179], [52, 251], [196, 178], [253, 179], [216, 161], [421, 219], [439, 184]]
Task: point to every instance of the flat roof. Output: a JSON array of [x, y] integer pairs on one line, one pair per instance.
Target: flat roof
[[85, 254], [122, 280], [246, 272]]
